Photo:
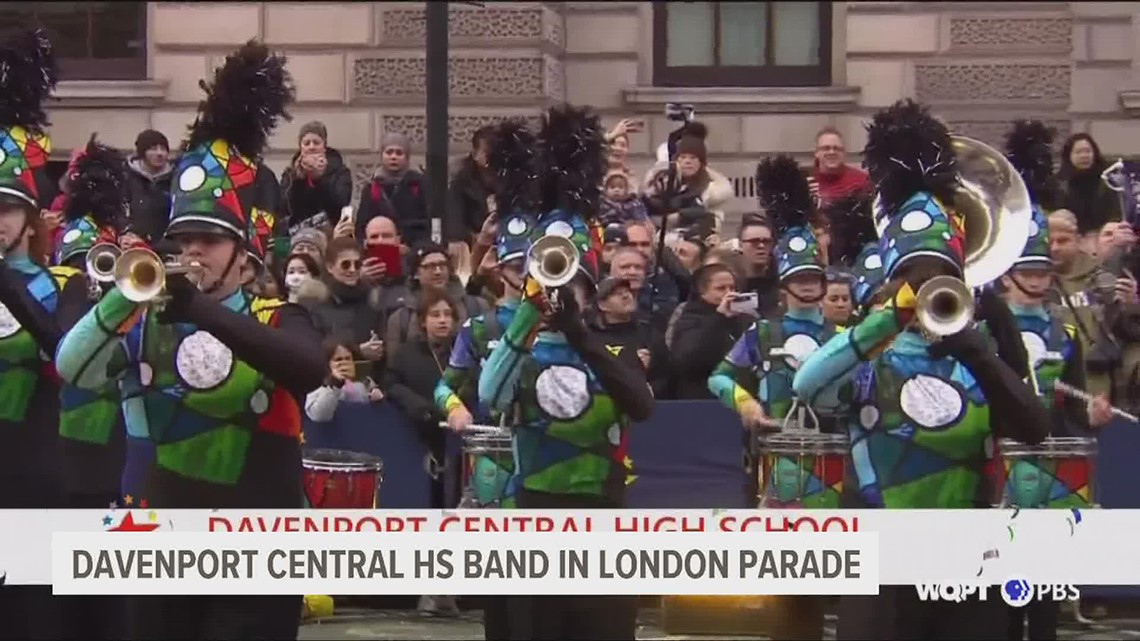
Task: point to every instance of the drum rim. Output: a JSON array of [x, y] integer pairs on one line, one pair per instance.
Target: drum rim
[[310, 459], [1058, 440], [822, 439]]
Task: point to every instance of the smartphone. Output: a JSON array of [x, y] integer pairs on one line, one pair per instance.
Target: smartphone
[[346, 213], [744, 302], [389, 255]]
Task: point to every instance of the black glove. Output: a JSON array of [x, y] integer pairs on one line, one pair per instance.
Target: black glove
[[965, 347], [183, 298], [566, 317], [1002, 326]]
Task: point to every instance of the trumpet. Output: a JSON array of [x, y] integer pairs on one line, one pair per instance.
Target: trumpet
[[141, 275], [553, 261], [944, 305], [101, 262]]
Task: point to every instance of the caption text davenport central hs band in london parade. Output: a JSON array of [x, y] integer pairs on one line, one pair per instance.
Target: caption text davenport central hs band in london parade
[[150, 369]]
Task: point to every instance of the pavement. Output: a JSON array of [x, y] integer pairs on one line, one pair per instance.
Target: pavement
[[407, 624]]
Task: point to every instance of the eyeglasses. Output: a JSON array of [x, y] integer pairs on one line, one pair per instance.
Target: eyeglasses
[[350, 265]]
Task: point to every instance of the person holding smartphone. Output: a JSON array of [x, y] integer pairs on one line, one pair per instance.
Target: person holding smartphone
[[317, 184]]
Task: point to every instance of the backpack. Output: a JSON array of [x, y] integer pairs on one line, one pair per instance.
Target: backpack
[[490, 322]]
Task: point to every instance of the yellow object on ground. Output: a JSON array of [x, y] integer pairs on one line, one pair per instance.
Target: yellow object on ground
[[317, 607]]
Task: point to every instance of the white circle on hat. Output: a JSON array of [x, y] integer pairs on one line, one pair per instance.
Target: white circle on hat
[[797, 244], [516, 227], [874, 261], [3, 156], [193, 178], [916, 220], [560, 228], [1034, 228], [72, 235]]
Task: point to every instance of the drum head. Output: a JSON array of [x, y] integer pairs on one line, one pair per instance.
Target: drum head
[[788, 442], [1060, 447], [340, 459]]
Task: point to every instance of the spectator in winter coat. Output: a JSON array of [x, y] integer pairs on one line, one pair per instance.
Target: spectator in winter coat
[[396, 191], [470, 194], [1083, 192], [342, 384], [616, 319], [703, 194], [620, 204], [705, 331], [317, 184], [149, 186], [834, 178], [352, 312]]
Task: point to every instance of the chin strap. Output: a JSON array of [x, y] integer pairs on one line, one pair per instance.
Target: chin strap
[[806, 301], [19, 238], [1017, 284], [221, 280]]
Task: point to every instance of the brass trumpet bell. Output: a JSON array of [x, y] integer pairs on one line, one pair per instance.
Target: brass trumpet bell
[[141, 275], [101, 261], [995, 208], [944, 305], [553, 261]]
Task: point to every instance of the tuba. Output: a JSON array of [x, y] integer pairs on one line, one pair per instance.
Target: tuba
[[995, 210], [141, 275], [101, 262]]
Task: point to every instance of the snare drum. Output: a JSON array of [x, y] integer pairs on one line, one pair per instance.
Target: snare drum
[[1058, 473], [338, 479], [802, 469], [488, 463]]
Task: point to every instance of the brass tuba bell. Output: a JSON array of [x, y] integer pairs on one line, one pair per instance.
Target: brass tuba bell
[[553, 261], [995, 208], [141, 275], [101, 261]]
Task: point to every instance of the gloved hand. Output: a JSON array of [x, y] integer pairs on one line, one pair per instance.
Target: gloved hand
[[1002, 326], [183, 300], [566, 317], [967, 346]]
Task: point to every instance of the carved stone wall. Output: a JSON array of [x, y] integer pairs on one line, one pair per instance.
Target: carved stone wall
[[460, 129], [1046, 34], [988, 83], [496, 22], [494, 78]]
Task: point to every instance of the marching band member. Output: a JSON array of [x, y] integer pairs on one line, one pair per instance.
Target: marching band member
[[1053, 347], [928, 412], [207, 373], [511, 158], [92, 435], [573, 397], [29, 402], [786, 198], [801, 328]]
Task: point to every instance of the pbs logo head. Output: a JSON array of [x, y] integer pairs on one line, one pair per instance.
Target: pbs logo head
[[1017, 593]]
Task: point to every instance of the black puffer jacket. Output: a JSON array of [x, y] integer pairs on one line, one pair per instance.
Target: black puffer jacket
[[403, 200], [701, 338], [466, 202], [315, 203], [150, 200]]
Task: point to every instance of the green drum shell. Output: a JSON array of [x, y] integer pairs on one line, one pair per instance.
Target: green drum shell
[[789, 460], [1025, 466], [484, 477]]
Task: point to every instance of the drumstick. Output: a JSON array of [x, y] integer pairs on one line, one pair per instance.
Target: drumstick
[[481, 429], [1081, 395]]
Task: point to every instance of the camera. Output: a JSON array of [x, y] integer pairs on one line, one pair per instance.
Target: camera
[[678, 112]]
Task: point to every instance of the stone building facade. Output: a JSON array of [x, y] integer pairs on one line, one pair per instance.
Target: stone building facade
[[359, 67]]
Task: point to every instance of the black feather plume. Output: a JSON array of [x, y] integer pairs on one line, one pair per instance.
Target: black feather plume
[[249, 93], [27, 77], [909, 151], [784, 192], [97, 185], [852, 227], [573, 160], [514, 160], [1029, 148]]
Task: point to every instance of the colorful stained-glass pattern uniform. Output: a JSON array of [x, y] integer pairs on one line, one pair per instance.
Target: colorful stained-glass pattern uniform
[[570, 437], [1047, 481], [206, 413], [81, 235], [926, 228], [921, 436], [493, 482], [29, 399], [208, 180], [804, 481], [24, 154]]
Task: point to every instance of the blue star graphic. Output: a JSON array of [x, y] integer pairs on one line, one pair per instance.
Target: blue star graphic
[[106, 521]]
